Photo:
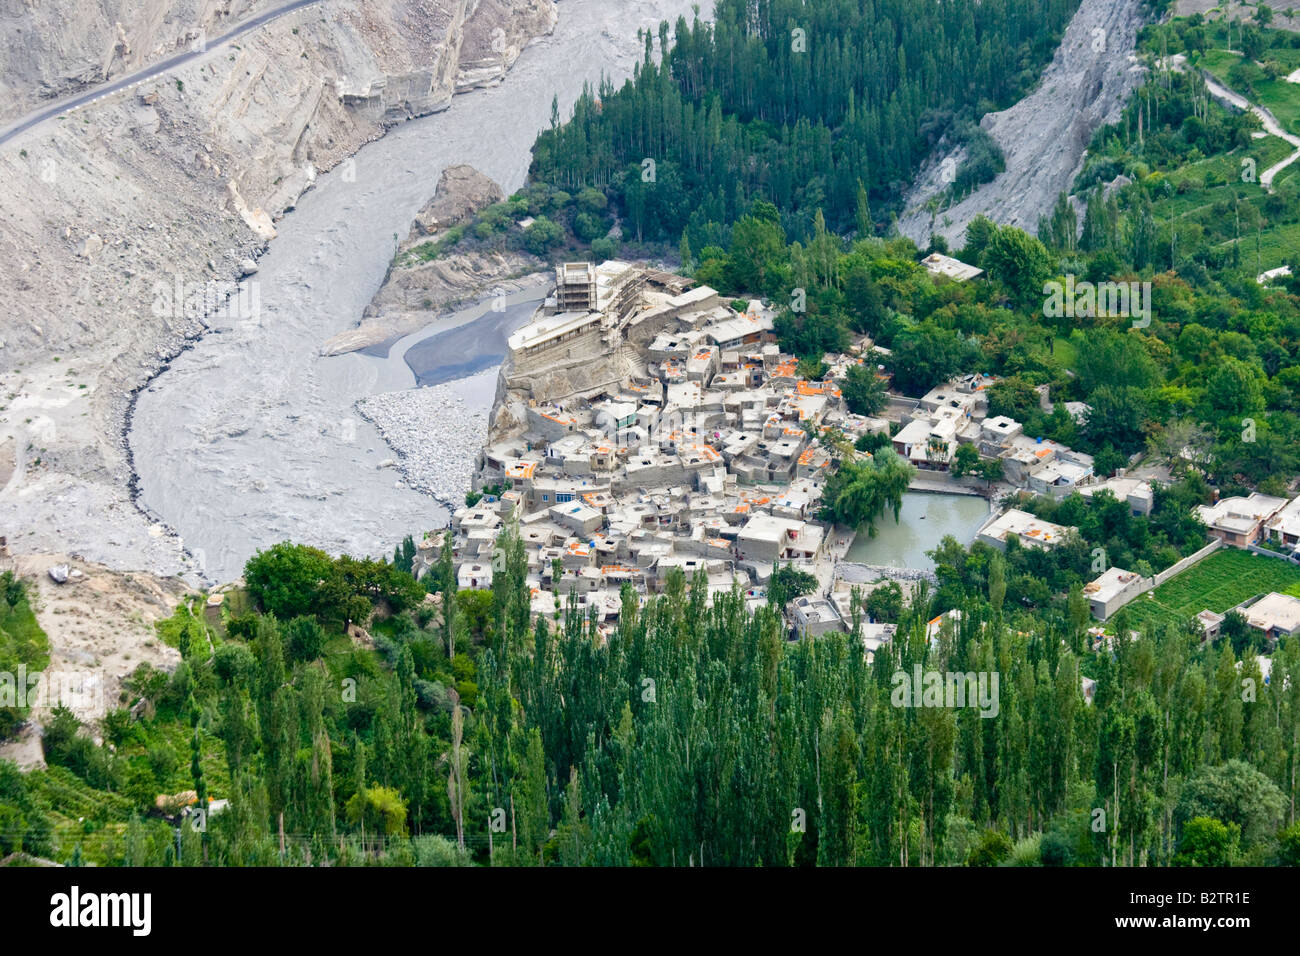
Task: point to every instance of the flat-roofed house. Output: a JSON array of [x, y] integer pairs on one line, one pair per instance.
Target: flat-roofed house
[[1285, 525], [1137, 493], [577, 517], [814, 616], [767, 538], [1108, 593], [937, 264], [1058, 478], [1240, 521], [1029, 530], [474, 576], [1276, 615]]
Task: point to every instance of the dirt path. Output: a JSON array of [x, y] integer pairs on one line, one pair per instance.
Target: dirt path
[[200, 49], [1271, 125]]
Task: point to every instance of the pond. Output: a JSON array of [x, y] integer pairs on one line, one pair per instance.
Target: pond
[[922, 524]]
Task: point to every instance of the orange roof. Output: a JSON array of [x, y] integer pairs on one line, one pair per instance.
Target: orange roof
[[705, 451]]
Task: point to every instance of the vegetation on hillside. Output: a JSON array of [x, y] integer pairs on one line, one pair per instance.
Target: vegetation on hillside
[[695, 735]]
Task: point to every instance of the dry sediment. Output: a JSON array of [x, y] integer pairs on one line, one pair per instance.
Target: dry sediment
[[1043, 136], [179, 179]]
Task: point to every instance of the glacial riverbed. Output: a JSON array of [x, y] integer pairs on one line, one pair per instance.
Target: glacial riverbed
[[251, 437]]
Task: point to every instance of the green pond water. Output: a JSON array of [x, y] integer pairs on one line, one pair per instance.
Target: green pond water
[[923, 523]]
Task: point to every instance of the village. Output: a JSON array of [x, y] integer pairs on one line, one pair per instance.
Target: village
[[644, 425]]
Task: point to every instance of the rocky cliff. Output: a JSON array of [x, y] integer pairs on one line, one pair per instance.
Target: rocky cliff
[[416, 288], [52, 49], [178, 181], [1044, 135]]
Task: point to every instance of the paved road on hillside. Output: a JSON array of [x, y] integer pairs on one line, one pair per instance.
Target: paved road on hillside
[[149, 72]]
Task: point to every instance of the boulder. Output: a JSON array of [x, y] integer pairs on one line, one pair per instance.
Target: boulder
[[462, 191]]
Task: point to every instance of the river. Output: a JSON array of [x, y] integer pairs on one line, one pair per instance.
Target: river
[[924, 521], [250, 437]]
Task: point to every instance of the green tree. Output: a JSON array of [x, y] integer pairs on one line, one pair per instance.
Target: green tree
[[1235, 793], [864, 392], [965, 461], [379, 810], [286, 579], [542, 235], [1233, 388], [1019, 261], [1207, 842]]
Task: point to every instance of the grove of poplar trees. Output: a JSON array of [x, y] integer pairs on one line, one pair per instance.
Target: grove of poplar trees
[[698, 734], [800, 102]]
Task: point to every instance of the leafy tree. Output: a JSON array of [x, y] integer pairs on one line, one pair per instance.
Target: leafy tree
[[379, 810], [1233, 388], [1019, 262], [859, 492], [864, 392], [927, 355], [14, 590], [1116, 418], [885, 603], [285, 579], [965, 461], [1207, 842], [1235, 793], [542, 235], [787, 583], [1288, 843], [304, 639], [1014, 397], [990, 470], [994, 846]]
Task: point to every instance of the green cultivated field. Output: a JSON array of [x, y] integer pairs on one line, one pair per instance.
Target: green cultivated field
[[1221, 581]]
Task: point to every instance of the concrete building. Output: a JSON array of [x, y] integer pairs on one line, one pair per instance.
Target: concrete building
[[1108, 593], [1240, 521], [575, 287], [814, 616], [1024, 527], [947, 267], [1057, 479], [1284, 526], [767, 539], [1137, 493], [1275, 615]]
